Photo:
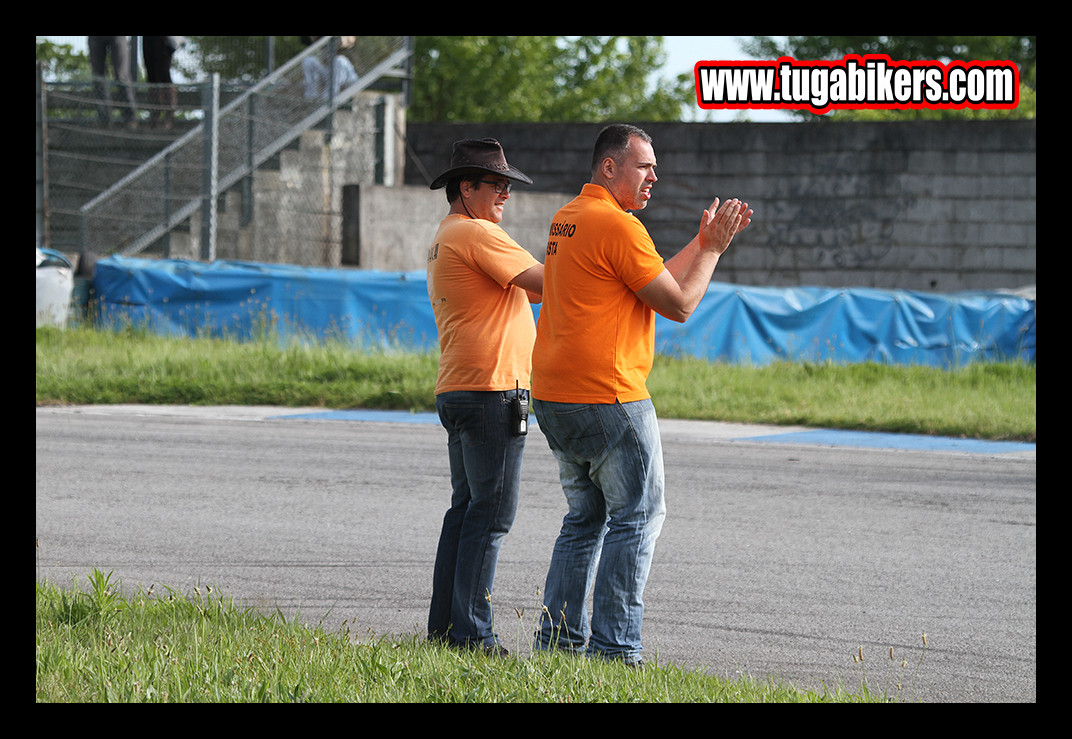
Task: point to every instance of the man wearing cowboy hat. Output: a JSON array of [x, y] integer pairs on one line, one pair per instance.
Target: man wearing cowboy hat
[[480, 284]]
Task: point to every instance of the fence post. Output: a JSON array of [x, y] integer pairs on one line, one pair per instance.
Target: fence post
[[211, 160], [42, 161], [166, 238]]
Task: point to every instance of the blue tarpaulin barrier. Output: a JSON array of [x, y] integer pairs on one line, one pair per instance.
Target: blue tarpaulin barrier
[[243, 300], [757, 325], [734, 323]]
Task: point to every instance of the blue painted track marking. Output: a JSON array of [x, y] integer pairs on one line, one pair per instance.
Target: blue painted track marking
[[875, 440], [359, 415], [823, 437]]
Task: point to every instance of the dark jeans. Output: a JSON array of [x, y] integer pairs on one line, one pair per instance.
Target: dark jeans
[[100, 47], [485, 471]]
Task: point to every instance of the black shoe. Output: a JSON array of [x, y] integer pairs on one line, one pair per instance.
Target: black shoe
[[488, 650], [495, 650]]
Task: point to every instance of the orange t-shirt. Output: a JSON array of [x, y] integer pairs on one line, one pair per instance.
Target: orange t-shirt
[[485, 324], [595, 340]]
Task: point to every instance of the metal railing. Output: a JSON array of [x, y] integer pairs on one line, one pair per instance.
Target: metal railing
[[230, 143]]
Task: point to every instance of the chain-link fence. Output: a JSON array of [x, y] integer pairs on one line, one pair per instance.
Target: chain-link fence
[[246, 162]]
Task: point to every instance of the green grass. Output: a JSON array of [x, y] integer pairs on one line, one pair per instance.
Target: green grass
[[984, 401], [84, 366], [95, 644]]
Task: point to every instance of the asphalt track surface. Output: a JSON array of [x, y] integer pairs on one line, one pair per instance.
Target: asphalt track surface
[[785, 551]]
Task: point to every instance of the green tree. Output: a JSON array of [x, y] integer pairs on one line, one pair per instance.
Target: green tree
[[1019, 49], [241, 59], [542, 78], [61, 62]]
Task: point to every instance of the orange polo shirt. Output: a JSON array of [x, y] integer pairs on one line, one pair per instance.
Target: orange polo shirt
[[485, 324], [595, 340]]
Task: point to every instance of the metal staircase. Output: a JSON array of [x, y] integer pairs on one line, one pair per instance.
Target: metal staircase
[[231, 142]]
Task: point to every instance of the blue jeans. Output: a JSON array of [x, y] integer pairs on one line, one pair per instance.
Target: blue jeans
[[611, 466], [316, 76], [485, 473]]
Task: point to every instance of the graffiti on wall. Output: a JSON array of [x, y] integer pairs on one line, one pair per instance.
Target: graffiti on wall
[[835, 217]]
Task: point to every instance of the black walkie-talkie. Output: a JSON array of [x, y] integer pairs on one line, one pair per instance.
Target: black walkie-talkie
[[521, 409]]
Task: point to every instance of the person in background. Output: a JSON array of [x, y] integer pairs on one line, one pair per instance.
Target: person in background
[[118, 48], [604, 282], [481, 284], [316, 73], [157, 52]]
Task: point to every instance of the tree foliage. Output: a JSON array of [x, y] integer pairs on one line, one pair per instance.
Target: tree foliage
[[1019, 49], [542, 78], [61, 61], [235, 58]]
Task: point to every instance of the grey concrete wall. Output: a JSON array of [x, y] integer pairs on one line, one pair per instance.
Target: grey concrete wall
[[297, 203], [397, 225], [936, 206]]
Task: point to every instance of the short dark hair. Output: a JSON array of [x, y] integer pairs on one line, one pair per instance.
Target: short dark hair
[[454, 186], [613, 141]]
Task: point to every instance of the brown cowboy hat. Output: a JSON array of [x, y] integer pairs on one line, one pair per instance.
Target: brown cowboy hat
[[472, 156]]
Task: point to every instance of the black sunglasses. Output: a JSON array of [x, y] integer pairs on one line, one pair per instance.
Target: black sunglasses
[[499, 186]]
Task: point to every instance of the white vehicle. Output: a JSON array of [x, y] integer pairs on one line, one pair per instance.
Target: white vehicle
[[55, 282]]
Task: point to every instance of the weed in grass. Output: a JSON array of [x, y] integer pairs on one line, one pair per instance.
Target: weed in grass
[[895, 689]]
